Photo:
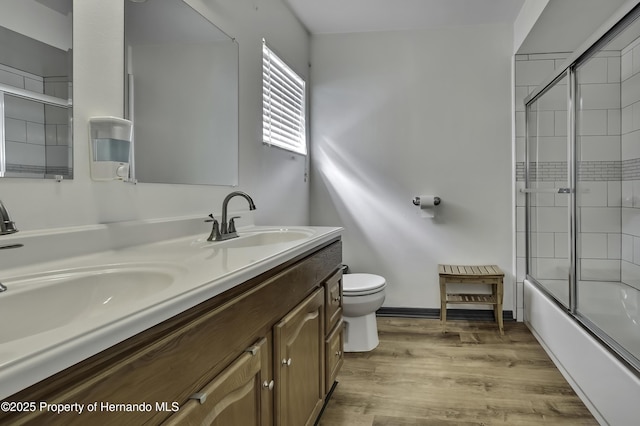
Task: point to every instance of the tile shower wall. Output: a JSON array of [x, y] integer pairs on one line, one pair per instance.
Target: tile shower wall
[[599, 168], [24, 125], [56, 126], [36, 135], [630, 98]]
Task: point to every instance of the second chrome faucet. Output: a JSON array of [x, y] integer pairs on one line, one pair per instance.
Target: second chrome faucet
[[227, 230]]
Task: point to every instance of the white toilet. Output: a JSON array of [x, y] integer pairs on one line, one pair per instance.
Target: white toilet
[[362, 295]]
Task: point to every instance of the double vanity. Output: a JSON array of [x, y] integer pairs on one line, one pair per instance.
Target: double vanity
[[159, 321], [150, 323]]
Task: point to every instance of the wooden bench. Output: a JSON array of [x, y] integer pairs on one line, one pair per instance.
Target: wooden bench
[[481, 274]]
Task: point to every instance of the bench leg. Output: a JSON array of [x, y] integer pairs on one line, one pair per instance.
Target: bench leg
[[498, 309], [498, 314], [443, 304]]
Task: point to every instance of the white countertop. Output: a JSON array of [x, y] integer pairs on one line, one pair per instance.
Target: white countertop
[[189, 269]]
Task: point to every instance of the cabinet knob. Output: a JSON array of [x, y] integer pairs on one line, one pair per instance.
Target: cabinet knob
[[336, 299], [286, 362], [268, 385], [338, 353]]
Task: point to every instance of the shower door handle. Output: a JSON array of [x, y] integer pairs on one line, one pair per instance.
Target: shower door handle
[[546, 190]]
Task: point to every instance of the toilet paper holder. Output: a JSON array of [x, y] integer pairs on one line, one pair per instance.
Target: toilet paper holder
[[416, 201]]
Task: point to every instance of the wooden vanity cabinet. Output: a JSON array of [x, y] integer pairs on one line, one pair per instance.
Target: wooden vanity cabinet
[[229, 348]]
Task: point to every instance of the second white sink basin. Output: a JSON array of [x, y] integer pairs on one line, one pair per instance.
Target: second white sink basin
[[43, 302], [275, 236], [269, 236]]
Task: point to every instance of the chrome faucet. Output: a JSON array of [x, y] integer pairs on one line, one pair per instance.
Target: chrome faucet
[[227, 230], [6, 225]]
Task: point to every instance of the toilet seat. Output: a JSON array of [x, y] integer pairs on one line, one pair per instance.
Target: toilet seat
[[362, 284]]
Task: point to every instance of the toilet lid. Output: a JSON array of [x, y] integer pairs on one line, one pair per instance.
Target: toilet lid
[[362, 283]]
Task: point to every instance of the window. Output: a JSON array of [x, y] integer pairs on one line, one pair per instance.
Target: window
[[283, 104]]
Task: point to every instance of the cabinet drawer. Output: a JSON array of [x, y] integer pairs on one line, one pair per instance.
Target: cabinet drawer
[[233, 397], [334, 355], [333, 300]]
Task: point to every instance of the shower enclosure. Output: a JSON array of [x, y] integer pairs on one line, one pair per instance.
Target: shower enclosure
[[582, 185]]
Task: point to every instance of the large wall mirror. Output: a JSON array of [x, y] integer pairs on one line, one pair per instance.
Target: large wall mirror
[[181, 94], [35, 89]]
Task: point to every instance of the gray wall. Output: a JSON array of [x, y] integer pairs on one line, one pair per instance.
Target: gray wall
[[399, 114]]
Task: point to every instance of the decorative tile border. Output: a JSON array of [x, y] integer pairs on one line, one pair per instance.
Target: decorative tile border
[[42, 170], [599, 170], [520, 171], [24, 168], [631, 169], [60, 170], [594, 171]]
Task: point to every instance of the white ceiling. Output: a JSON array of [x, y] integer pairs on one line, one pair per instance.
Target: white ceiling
[[349, 16], [562, 27]]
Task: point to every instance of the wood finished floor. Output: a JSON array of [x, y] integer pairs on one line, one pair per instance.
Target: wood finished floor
[[469, 376]]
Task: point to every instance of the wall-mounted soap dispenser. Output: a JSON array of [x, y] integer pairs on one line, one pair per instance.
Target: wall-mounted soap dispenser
[[110, 147]]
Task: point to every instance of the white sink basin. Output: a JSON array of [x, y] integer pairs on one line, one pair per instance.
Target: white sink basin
[[43, 302], [262, 238], [268, 237]]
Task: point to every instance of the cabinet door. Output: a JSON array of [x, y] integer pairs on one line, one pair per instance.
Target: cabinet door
[[299, 356], [334, 355], [234, 397], [333, 300]]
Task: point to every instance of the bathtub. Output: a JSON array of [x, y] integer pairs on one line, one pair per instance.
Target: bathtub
[[613, 307], [607, 386]]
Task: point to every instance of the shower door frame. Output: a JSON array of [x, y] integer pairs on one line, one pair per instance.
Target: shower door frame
[[606, 33], [571, 182]]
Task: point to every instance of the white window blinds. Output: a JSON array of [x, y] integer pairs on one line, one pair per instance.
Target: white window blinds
[[283, 104]]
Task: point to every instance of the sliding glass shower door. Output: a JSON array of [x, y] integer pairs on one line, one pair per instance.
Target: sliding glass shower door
[[582, 171], [607, 85], [548, 190]]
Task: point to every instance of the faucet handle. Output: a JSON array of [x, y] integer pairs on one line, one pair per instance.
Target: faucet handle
[[232, 224], [215, 231], [8, 227]]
